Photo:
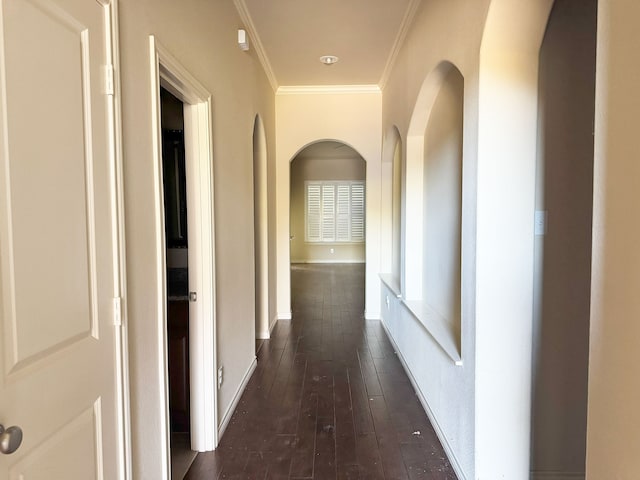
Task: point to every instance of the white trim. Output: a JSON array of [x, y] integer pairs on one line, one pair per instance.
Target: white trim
[[118, 212], [169, 73], [328, 261], [327, 89], [161, 305], [285, 316], [273, 325], [264, 335], [457, 468], [368, 316], [245, 16], [407, 20], [391, 283], [226, 418], [437, 326]]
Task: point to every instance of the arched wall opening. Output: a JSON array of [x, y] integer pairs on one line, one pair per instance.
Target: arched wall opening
[[396, 212], [391, 211], [442, 187], [353, 117], [327, 204], [415, 180], [433, 208], [261, 234]]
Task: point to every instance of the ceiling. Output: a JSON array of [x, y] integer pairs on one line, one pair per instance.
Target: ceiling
[[290, 36]]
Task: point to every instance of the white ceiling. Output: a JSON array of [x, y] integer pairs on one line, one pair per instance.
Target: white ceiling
[[290, 35]]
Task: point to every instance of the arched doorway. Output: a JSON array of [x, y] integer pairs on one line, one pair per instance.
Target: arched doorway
[[261, 239], [327, 205]]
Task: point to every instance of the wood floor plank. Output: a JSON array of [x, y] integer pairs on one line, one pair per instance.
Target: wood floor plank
[[329, 398]]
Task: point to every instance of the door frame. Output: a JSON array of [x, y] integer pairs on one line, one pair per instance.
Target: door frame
[[167, 72], [119, 254]]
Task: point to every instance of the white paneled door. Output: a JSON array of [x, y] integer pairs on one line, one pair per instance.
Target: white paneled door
[[58, 263]]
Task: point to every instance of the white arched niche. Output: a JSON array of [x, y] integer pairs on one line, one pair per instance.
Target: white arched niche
[[261, 240], [433, 227], [391, 212]]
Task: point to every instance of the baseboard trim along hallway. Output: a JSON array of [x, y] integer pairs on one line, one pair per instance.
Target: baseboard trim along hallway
[[455, 464], [236, 398]]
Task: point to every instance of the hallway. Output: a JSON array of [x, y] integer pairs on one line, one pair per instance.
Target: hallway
[[329, 398]]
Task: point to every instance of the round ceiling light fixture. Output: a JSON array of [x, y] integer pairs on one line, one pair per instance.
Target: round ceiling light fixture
[[329, 59]]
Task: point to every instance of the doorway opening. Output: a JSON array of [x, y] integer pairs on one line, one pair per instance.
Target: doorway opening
[[177, 271], [191, 289], [327, 205]]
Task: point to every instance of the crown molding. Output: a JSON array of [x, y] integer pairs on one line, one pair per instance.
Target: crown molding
[[327, 89], [400, 38], [245, 16]]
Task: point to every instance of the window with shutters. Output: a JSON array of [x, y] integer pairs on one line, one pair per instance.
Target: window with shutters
[[334, 212]]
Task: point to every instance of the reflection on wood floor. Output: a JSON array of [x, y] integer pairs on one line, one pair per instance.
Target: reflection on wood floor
[[329, 398]]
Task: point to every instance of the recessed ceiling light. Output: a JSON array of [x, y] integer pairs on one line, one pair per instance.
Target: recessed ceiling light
[[329, 59]]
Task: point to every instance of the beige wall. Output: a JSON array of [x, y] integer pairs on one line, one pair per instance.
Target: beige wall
[[563, 256], [407, 101], [202, 36], [613, 435], [443, 201], [303, 169], [354, 119]]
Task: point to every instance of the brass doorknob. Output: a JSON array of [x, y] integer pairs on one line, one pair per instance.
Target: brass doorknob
[[10, 439]]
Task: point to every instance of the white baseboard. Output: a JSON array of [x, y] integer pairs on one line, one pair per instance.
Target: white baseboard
[[266, 334], [371, 316], [226, 418], [536, 475], [328, 261], [425, 404], [284, 316]]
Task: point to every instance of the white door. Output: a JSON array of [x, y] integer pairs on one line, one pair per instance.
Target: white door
[[57, 339]]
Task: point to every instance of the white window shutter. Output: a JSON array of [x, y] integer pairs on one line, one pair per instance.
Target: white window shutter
[[357, 212], [343, 214], [328, 213], [314, 213], [335, 211]]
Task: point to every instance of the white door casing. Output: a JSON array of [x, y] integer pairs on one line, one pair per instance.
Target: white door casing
[[61, 367], [168, 72]]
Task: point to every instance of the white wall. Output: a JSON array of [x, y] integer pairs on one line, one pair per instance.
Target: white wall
[[407, 101], [350, 118], [443, 201], [483, 408], [507, 140], [202, 36], [613, 435]]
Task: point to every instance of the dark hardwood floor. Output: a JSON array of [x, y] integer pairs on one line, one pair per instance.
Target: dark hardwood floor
[[329, 398]]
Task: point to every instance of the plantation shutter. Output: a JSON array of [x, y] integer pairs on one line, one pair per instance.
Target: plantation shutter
[[357, 212], [328, 213], [343, 216], [314, 213], [335, 211]]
